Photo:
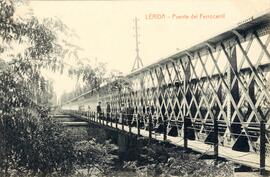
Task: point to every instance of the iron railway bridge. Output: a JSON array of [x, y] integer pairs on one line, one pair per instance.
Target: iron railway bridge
[[213, 95]]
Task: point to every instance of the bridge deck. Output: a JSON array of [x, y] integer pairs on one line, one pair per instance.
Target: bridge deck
[[68, 120], [244, 158], [75, 123]]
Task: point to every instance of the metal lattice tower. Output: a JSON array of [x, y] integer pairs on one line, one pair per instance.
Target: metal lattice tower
[[138, 61]]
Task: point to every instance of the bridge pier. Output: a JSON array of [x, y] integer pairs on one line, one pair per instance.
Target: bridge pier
[[128, 146], [127, 142]]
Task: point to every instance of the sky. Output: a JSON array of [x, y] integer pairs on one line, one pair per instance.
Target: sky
[[105, 29]]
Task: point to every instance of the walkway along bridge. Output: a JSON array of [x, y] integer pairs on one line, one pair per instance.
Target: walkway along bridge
[[213, 95]]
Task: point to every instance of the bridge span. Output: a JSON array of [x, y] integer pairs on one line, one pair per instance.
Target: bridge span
[[215, 94]]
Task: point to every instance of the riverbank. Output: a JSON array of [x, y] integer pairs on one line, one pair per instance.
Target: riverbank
[[136, 156], [164, 160]]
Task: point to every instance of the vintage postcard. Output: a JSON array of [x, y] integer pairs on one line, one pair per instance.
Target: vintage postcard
[[134, 88]]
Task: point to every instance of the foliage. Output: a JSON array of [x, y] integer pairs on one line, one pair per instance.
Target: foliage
[[91, 155], [159, 160], [30, 142], [93, 77], [36, 144], [28, 138]]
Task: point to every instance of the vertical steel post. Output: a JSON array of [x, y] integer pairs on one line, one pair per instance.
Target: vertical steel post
[[262, 147], [230, 77], [187, 75], [116, 120], [165, 127], [122, 119], [185, 133], [103, 118], [138, 124], [165, 119], [216, 138], [107, 118], [150, 126], [111, 118], [129, 120]]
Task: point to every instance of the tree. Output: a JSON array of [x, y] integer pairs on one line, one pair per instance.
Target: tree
[[91, 76], [29, 140], [26, 132]]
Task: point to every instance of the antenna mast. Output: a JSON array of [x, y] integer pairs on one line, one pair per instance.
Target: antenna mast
[[138, 61]]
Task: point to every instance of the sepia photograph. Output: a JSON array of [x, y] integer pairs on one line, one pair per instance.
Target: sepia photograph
[[134, 88]]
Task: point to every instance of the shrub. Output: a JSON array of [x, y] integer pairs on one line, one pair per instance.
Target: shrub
[[37, 145]]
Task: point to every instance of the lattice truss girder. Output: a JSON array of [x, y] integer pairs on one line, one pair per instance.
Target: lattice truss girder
[[228, 80]]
